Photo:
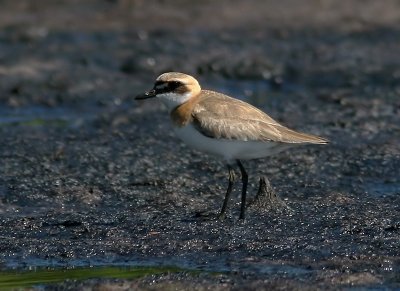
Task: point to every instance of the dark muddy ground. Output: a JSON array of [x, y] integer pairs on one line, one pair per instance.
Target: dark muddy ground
[[90, 177]]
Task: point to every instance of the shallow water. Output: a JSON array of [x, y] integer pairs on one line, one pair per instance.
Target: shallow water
[[40, 277]]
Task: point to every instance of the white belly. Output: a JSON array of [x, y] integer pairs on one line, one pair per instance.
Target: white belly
[[228, 149]]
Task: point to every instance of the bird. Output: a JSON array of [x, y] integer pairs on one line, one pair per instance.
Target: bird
[[223, 126]]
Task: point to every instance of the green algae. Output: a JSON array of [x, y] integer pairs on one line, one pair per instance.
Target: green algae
[[12, 280]]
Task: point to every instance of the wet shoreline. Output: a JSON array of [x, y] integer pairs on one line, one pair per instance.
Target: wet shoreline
[[89, 177]]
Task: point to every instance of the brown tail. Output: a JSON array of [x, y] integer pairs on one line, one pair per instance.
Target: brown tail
[[291, 136]]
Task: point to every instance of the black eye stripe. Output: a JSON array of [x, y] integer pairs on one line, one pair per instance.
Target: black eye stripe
[[164, 87]]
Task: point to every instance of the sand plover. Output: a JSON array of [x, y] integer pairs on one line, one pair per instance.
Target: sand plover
[[223, 126]]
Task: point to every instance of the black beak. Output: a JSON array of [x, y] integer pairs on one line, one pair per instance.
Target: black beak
[[149, 94]]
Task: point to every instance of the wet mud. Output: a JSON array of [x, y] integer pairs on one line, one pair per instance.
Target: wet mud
[[89, 177]]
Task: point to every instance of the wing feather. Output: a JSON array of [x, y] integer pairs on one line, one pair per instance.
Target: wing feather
[[220, 116]]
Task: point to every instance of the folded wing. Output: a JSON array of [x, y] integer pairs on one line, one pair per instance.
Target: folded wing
[[227, 118]]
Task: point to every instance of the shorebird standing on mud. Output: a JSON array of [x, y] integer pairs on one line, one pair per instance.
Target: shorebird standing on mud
[[223, 126]]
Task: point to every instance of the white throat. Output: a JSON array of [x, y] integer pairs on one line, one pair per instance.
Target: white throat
[[172, 100]]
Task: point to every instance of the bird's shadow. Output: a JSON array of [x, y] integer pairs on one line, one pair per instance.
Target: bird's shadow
[[266, 199]]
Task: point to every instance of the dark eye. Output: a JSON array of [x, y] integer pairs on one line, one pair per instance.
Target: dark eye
[[174, 84]]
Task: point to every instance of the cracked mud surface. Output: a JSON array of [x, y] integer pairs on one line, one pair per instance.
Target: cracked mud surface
[[88, 176]]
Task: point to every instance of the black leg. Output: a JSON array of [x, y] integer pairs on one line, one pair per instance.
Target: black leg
[[228, 191], [245, 179]]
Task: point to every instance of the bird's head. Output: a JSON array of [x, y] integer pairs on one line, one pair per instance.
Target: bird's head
[[173, 89]]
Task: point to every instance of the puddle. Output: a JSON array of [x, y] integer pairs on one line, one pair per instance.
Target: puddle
[[42, 272], [41, 276], [36, 116], [273, 269], [252, 90], [10, 280], [381, 188], [257, 92]]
